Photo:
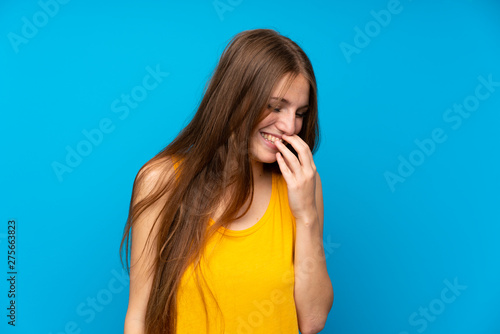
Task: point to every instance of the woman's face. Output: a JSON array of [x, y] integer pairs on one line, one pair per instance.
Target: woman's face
[[285, 117]]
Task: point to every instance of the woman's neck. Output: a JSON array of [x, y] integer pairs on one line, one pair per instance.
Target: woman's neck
[[258, 170]]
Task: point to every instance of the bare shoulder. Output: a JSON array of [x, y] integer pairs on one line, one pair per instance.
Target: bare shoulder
[[155, 168], [152, 175]]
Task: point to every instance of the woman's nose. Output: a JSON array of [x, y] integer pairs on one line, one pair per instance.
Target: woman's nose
[[286, 122]]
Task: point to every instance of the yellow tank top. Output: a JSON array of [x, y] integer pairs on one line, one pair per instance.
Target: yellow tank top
[[251, 275]]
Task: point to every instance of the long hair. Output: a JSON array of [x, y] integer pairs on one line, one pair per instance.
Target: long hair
[[213, 155]]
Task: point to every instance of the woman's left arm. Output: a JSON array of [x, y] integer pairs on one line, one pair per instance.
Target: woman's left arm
[[313, 288]]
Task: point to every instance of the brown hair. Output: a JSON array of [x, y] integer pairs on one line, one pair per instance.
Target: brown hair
[[213, 149]]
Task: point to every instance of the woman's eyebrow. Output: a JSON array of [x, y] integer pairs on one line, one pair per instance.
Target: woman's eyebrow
[[288, 102]]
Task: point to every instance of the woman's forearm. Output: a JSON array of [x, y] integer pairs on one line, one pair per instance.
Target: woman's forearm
[[133, 326], [313, 287]]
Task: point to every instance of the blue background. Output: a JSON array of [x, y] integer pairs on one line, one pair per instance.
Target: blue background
[[391, 249]]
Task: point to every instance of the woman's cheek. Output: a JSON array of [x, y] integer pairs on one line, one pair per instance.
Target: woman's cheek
[[298, 125]]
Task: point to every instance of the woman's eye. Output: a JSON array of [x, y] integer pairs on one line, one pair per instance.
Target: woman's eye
[[277, 109], [274, 108], [303, 114]]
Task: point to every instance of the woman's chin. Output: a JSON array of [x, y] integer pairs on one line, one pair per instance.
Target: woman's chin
[[269, 159], [266, 158]]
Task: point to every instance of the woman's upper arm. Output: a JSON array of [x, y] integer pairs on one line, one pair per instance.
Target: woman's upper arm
[[142, 249]]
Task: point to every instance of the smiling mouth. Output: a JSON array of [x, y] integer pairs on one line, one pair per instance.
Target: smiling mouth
[[270, 138]]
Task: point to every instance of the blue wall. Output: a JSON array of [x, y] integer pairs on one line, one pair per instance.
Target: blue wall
[[409, 98]]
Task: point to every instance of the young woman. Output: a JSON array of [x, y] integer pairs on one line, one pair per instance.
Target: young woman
[[227, 221]]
